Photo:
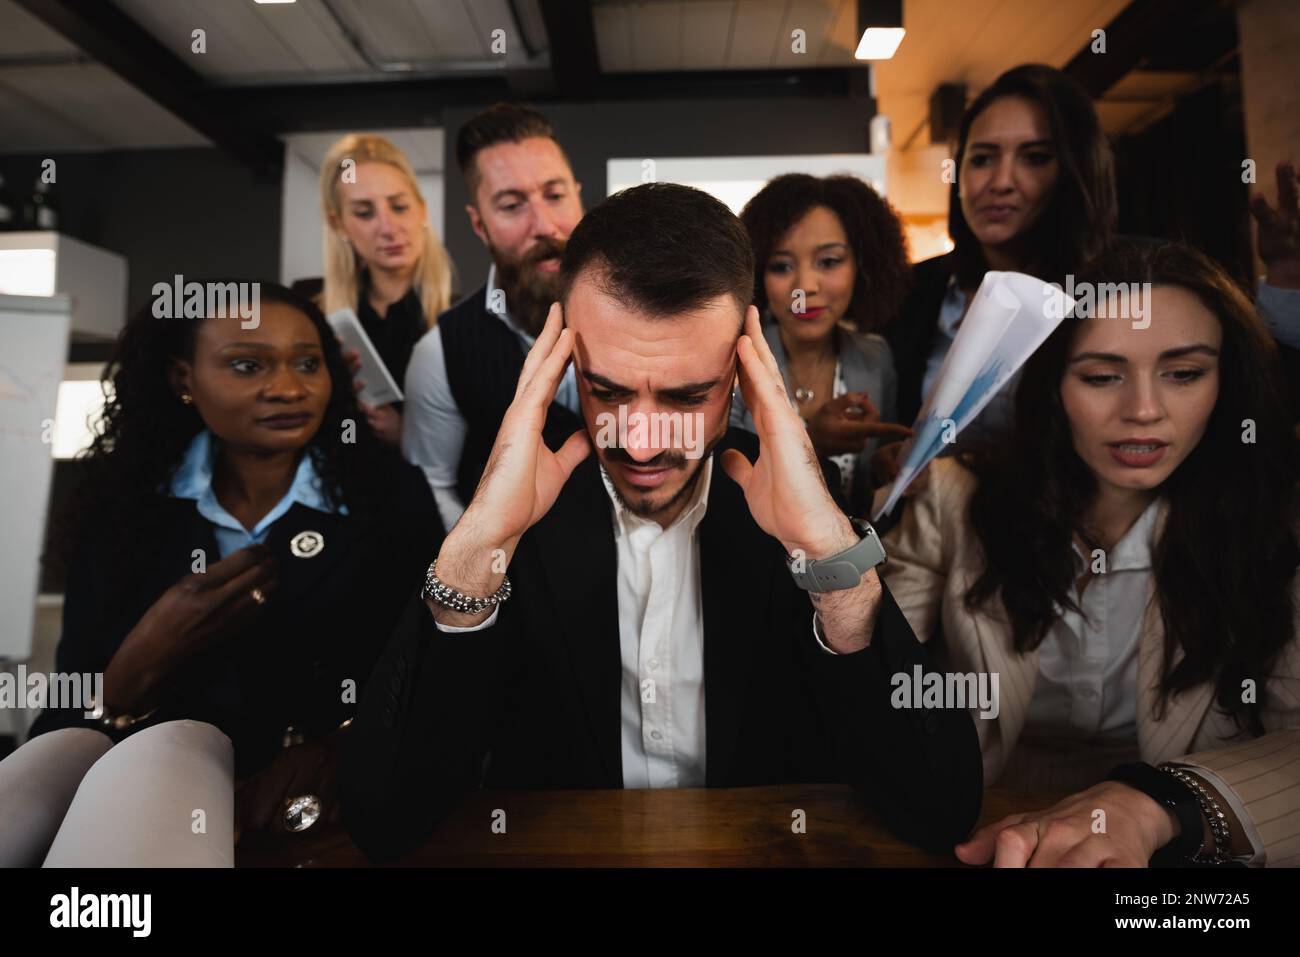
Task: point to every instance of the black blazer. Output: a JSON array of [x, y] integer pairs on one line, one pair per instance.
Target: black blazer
[[325, 623], [911, 335], [533, 701]]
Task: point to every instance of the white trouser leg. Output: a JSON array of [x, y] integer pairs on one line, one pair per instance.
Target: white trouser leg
[[163, 797], [37, 783]]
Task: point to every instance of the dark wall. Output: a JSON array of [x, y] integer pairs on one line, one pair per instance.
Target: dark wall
[[592, 133], [203, 214], [1180, 178], [196, 212]]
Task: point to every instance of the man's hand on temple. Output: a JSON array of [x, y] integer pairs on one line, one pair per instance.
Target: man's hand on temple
[[520, 482], [787, 494]]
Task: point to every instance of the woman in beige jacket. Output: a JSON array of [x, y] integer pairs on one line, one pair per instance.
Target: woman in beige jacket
[[1123, 580]]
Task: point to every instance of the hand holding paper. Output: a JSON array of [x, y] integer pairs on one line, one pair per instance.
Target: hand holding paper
[[1010, 316]]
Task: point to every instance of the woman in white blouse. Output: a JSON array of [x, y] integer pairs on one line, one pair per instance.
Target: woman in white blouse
[[1122, 577]]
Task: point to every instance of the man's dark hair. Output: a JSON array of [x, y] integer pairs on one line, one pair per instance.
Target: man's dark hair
[[499, 123], [662, 249]]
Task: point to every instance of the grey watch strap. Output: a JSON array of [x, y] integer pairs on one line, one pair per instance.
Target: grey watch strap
[[844, 570]]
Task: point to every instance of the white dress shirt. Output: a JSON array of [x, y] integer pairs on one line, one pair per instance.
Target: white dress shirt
[[433, 429], [661, 643], [1087, 664]]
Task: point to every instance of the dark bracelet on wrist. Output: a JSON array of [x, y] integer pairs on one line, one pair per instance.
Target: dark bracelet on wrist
[[1169, 792]]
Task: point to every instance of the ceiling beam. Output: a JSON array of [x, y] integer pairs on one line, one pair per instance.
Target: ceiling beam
[[1128, 38], [307, 107], [110, 37], [730, 84], [303, 108], [575, 60]]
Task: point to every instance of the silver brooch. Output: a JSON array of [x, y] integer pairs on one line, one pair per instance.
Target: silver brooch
[[307, 544]]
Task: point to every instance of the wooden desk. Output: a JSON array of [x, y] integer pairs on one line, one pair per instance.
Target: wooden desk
[[700, 827]]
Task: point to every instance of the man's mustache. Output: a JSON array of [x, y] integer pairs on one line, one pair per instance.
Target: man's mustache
[[667, 459], [546, 248]]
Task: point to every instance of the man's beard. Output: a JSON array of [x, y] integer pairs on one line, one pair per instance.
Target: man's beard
[[529, 291], [642, 507]]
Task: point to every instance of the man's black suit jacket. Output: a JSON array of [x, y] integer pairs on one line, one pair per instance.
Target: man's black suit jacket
[[534, 701]]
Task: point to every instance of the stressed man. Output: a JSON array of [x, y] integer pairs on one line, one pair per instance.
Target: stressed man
[[614, 611]]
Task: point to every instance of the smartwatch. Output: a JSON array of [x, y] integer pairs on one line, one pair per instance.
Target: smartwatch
[[844, 570]]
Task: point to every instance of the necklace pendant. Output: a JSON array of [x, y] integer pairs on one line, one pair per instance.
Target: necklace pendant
[[803, 395]]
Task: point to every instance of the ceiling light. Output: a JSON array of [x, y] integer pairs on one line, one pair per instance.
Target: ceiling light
[[881, 23]]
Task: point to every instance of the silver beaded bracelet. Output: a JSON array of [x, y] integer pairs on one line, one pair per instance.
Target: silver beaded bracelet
[[438, 591], [1213, 813]]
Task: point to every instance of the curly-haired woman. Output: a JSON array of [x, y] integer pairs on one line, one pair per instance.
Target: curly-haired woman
[[831, 267]]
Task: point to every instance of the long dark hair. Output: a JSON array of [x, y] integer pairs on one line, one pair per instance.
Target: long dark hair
[[873, 229], [1225, 560], [144, 430], [1080, 218]]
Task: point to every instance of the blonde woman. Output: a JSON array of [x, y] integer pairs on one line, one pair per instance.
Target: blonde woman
[[381, 255]]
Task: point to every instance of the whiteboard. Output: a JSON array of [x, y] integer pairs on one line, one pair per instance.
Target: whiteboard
[[33, 351]]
